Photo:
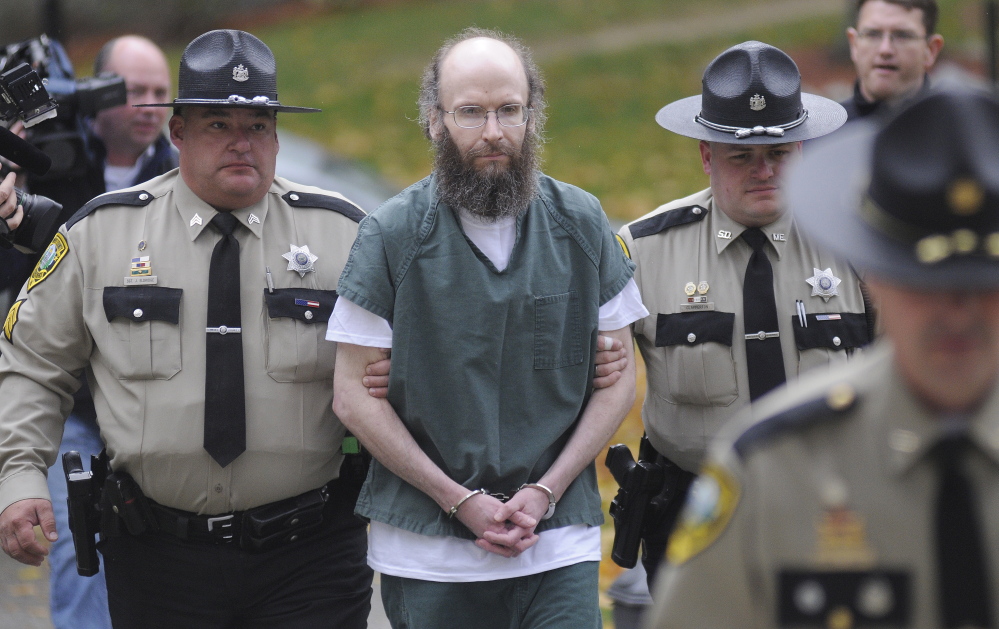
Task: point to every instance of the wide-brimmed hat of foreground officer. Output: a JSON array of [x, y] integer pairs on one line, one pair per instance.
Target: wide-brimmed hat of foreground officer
[[228, 68], [916, 203], [751, 94]]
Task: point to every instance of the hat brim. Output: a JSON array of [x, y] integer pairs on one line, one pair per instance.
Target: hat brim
[[826, 189], [824, 116], [210, 102]]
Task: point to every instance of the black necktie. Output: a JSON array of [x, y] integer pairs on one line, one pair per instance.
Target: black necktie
[[964, 580], [225, 404], [764, 358]]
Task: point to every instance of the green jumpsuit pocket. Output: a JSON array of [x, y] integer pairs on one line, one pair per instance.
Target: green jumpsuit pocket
[[557, 331]]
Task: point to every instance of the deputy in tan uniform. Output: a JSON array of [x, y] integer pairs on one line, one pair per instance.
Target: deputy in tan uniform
[[211, 377], [693, 260], [869, 495]]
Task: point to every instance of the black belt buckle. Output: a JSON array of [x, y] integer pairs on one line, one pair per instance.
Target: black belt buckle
[[283, 522]]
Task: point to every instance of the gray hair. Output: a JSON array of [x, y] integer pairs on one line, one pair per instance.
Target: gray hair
[[430, 85]]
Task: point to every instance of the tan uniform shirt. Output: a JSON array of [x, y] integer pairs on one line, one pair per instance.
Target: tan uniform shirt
[[836, 505], [691, 260], [145, 356]]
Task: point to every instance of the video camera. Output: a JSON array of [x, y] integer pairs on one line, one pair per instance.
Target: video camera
[[37, 86], [54, 125]]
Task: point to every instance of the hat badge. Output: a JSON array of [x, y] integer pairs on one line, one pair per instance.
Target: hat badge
[[240, 73], [757, 102], [965, 197]]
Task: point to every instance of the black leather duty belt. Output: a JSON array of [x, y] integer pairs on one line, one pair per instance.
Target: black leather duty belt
[[261, 528]]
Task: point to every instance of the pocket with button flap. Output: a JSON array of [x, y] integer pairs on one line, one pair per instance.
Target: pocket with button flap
[[297, 349], [700, 369], [144, 343], [845, 598], [828, 337]]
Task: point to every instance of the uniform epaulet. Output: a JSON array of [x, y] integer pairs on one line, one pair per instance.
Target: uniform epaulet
[[325, 201], [136, 198], [837, 402], [671, 218]]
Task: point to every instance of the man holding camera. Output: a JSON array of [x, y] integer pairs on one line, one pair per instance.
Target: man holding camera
[[127, 147], [201, 334]]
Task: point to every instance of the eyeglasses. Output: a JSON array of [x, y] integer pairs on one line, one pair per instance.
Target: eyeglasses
[[473, 116], [874, 36]]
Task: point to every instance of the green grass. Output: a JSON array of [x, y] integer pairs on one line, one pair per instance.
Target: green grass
[[362, 67]]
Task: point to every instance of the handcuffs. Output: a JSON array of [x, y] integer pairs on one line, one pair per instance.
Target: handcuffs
[[503, 498]]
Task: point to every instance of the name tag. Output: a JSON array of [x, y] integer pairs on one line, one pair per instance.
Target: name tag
[[148, 279], [697, 307]]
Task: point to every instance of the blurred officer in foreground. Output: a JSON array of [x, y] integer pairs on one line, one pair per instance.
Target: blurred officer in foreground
[[128, 146], [201, 334], [893, 45], [490, 281], [739, 301], [869, 496]]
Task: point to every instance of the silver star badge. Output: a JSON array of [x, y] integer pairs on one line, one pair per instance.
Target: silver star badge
[[300, 259], [823, 283]]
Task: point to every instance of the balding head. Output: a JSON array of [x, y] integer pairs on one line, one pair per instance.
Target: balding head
[[486, 49], [128, 131], [482, 56], [119, 48]]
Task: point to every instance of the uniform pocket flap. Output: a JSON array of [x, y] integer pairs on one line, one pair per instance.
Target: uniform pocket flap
[[694, 328], [305, 304], [143, 303], [831, 330]]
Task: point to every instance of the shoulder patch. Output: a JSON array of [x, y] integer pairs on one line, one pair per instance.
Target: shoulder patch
[[837, 401], [53, 255], [624, 247], [11, 321], [708, 510], [672, 218], [325, 201], [136, 198]]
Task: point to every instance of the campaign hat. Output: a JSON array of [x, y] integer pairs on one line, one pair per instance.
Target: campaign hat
[[228, 68], [915, 202], [751, 94]]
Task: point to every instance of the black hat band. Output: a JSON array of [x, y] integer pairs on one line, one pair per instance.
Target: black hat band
[[744, 132], [930, 247]]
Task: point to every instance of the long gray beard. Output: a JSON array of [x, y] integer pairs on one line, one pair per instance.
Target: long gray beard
[[494, 192]]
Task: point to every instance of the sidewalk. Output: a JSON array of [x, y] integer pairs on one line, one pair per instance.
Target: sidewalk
[[24, 598]]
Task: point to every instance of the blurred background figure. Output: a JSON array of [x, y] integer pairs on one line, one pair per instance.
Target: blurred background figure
[[867, 495], [893, 45]]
